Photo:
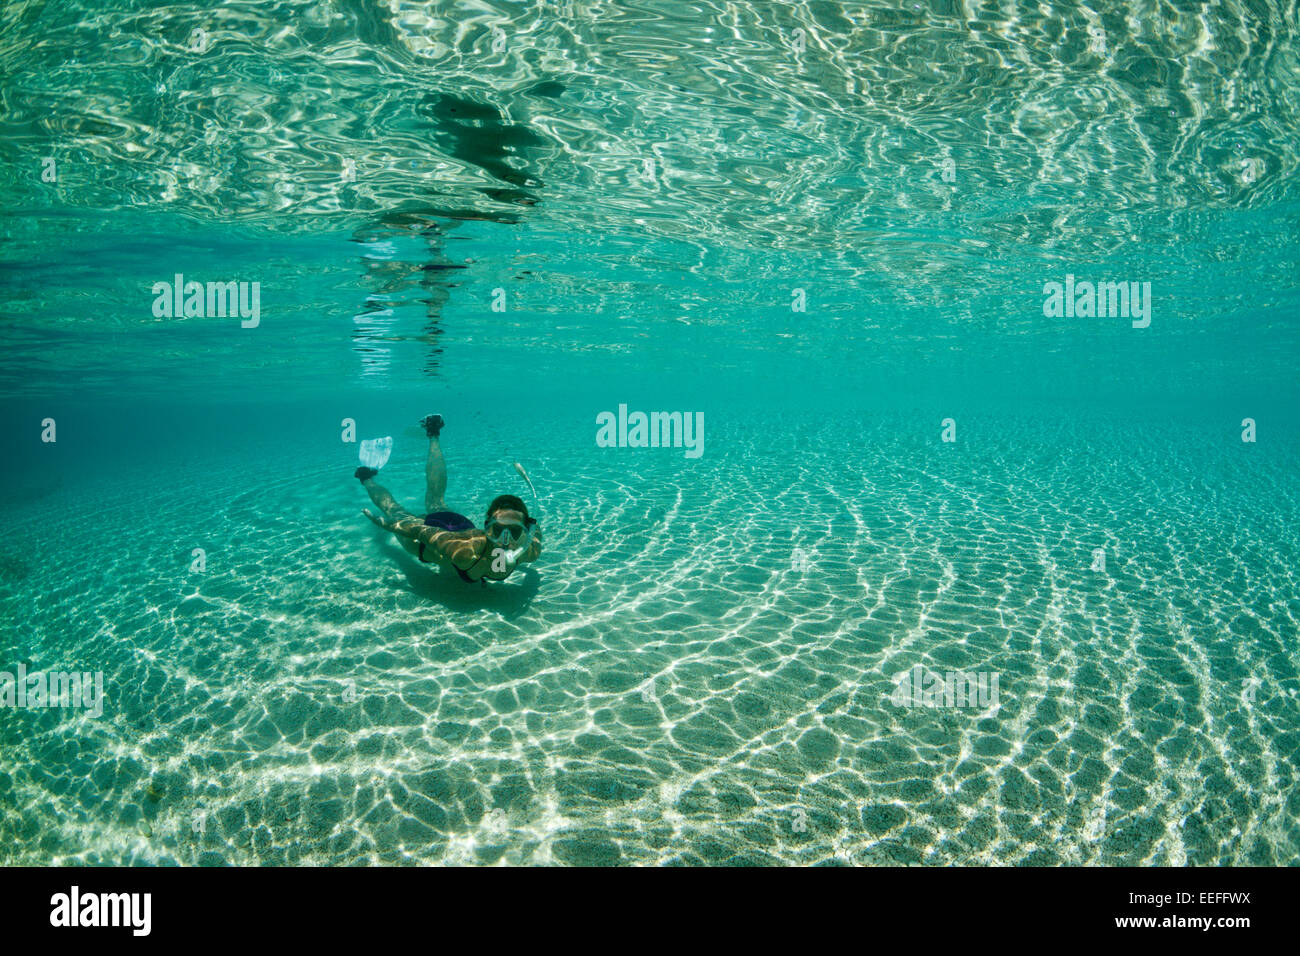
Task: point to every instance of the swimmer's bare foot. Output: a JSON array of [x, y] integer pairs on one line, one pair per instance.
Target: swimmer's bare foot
[[432, 425]]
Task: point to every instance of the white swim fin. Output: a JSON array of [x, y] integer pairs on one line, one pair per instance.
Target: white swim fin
[[375, 452]]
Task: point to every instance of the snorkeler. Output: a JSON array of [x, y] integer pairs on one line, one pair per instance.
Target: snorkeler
[[509, 536]]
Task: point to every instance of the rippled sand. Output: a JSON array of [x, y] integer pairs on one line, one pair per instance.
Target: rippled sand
[[666, 687]]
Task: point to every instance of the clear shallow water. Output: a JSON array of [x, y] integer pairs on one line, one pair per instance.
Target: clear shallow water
[[1120, 692], [673, 683]]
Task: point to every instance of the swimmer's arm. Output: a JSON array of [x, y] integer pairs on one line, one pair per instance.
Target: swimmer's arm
[[535, 549], [440, 544], [407, 527], [453, 548], [411, 527]]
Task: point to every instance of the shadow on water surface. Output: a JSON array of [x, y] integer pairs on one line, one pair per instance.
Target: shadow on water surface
[[478, 134]]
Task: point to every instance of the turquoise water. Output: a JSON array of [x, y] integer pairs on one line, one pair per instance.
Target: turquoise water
[[523, 215]]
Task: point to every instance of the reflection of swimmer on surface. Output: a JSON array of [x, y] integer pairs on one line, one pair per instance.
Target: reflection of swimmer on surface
[[509, 537]]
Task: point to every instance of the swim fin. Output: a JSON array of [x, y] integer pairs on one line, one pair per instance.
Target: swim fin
[[375, 452]]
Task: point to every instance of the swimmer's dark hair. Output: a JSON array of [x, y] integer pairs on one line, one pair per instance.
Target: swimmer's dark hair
[[509, 503]]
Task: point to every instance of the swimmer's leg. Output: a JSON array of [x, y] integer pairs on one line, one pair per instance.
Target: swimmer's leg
[[384, 500], [386, 503], [435, 468]]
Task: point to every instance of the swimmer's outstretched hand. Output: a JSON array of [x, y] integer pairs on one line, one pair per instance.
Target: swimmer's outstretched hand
[[376, 519]]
